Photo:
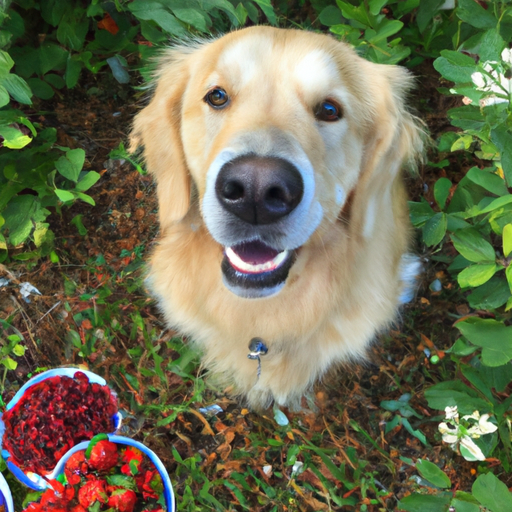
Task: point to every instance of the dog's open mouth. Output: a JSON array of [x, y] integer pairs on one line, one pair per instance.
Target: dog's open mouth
[[254, 269]]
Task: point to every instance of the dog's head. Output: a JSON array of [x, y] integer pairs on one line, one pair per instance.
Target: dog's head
[[268, 132]]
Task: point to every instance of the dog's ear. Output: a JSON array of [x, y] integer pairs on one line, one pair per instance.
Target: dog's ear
[[157, 129], [396, 138]]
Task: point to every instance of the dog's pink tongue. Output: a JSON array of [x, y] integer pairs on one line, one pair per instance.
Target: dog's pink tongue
[[255, 253]]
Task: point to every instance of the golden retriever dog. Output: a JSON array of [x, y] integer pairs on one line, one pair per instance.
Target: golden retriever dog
[[277, 156]]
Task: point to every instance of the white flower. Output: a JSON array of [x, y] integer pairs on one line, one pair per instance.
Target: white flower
[[493, 81], [454, 433], [474, 416], [506, 56], [484, 426], [451, 413], [450, 435], [472, 448]]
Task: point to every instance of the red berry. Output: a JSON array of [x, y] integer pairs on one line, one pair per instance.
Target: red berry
[[75, 467], [103, 456], [92, 491], [123, 500]]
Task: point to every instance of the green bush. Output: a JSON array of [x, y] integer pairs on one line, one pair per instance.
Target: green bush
[[45, 46]]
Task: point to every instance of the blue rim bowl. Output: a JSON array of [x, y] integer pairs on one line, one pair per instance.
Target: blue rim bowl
[[28, 478], [168, 491], [5, 496]]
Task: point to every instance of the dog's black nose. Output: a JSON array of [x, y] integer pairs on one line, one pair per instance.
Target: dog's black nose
[[259, 189]]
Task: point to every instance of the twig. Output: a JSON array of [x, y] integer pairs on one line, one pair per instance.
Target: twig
[[340, 448], [26, 319], [49, 311]]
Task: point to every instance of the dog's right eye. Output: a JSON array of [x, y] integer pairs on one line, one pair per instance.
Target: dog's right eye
[[217, 98]]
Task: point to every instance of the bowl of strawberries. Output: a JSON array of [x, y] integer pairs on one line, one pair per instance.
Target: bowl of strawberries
[[108, 473]]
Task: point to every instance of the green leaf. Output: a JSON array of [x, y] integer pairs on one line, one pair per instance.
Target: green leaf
[[20, 216], [450, 393], [352, 12], [6, 63], [474, 14], [502, 138], [72, 30], [126, 482], [51, 56], [490, 295], [96, 439], [85, 198], [77, 221], [330, 16], [390, 28], [476, 275], [470, 243], [420, 213], [433, 474], [40, 88], [508, 274], [87, 181], [426, 11], [71, 164], [268, 10], [152, 10], [418, 434], [488, 180], [491, 46], [462, 143], [14, 138], [442, 191], [40, 233], [4, 96], [507, 240], [455, 66], [424, 503], [499, 202], [73, 69], [435, 229], [492, 493], [494, 337], [17, 88], [18, 350], [192, 17], [464, 506], [64, 195], [9, 363], [376, 6], [53, 10]]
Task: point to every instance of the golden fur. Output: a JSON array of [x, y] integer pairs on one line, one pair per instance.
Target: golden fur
[[349, 275]]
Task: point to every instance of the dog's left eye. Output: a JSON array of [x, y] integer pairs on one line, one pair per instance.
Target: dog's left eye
[[328, 110], [217, 98]]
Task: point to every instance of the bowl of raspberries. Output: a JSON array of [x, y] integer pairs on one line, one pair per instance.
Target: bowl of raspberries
[[53, 412]]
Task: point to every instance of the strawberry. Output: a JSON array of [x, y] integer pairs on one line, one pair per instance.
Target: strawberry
[[92, 491], [76, 466], [103, 456], [122, 500]]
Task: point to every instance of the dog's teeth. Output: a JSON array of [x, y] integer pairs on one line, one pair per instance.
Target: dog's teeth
[[243, 266]]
